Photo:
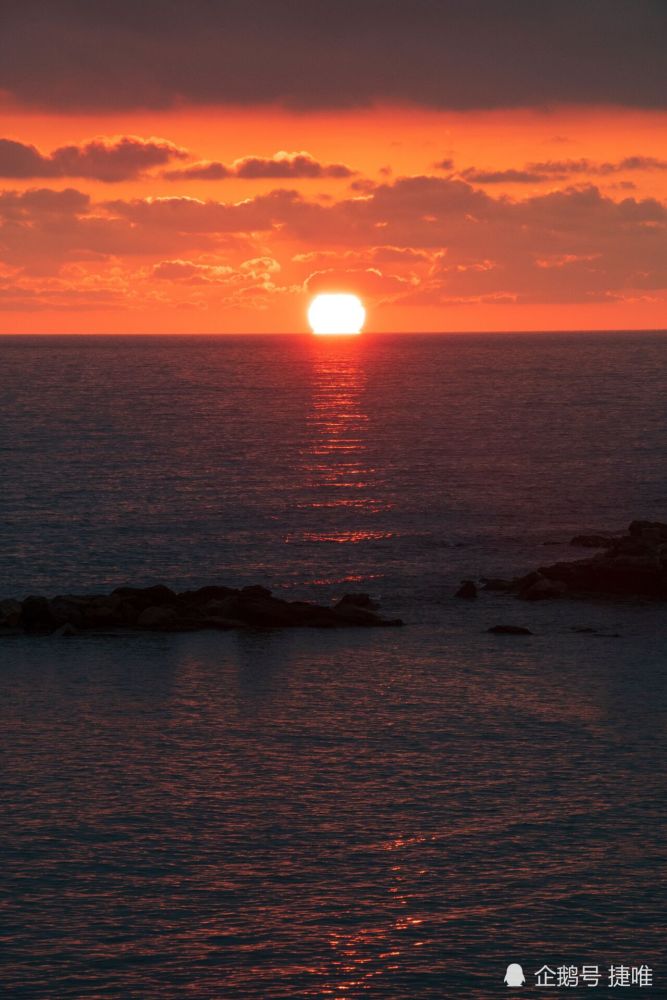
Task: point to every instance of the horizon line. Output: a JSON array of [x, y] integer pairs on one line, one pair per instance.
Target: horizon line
[[373, 333]]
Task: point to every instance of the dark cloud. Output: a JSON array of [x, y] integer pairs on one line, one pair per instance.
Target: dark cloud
[[503, 176], [191, 272], [551, 170], [289, 165], [565, 168], [104, 159], [42, 202], [23, 299], [395, 255], [367, 282], [442, 239], [191, 215], [42, 228], [281, 165], [363, 186], [208, 170], [197, 273], [74, 54], [575, 245]]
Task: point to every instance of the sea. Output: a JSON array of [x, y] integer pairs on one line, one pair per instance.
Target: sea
[[387, 813]]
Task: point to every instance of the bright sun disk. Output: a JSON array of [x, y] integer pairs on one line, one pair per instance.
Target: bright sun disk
[[336, 313]]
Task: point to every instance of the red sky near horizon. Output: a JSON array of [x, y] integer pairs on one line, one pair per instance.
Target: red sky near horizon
[[222, 211]]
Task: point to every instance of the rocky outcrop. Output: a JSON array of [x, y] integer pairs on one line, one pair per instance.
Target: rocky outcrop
[[160, 609], [596, 541], [359, 601], [633, 565], [509, 630]]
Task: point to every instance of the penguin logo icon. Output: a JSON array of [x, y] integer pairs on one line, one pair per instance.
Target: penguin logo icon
[[514, 975]]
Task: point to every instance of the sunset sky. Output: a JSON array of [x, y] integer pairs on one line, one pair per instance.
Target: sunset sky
[[208, 166]]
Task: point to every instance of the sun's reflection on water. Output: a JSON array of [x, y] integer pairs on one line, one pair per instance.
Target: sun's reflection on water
[[340, 476]]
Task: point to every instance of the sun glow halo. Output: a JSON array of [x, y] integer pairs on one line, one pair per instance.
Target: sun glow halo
[[336, 313]]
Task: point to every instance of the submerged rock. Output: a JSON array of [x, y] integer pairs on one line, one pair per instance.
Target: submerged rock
[[160, 609], [467, 590]]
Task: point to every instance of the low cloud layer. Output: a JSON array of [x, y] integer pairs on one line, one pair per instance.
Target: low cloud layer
[[281, 165], [109, 159], [558, 170], [425, 239]]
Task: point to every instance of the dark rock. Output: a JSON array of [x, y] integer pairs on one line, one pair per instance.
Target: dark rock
[[467, 590], [103, 612], [509, 630], [161, 609], [653, 531], [265, 612], [609, 576], [229, 606], [101, 617], [218, 607], [146, 597], [633, 546], [592, 541], [205, 594], [631, 566], [359, 601], [65, 630], [10, 613], [157, 617], [524, 582], [221, 623], [255, 591], [543, 590], [497, 584], [354, 614], [36, 615], [67, 611], [309, 615], [128, 613]]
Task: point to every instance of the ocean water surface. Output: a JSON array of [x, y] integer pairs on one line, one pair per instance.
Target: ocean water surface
[[386, 814]]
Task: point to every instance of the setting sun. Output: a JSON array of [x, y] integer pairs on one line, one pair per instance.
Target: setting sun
[[336, 314]]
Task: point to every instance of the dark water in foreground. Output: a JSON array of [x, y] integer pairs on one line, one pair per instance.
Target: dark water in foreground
[[395, 814]]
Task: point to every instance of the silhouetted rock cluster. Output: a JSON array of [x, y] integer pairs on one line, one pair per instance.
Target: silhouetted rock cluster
[[633, 565], [509, 630], [595, 541], [160, 609]]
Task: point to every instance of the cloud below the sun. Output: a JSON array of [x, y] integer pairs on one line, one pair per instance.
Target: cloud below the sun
[[416, 240]]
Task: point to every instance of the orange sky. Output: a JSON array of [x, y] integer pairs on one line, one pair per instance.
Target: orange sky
[[574, 239]]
